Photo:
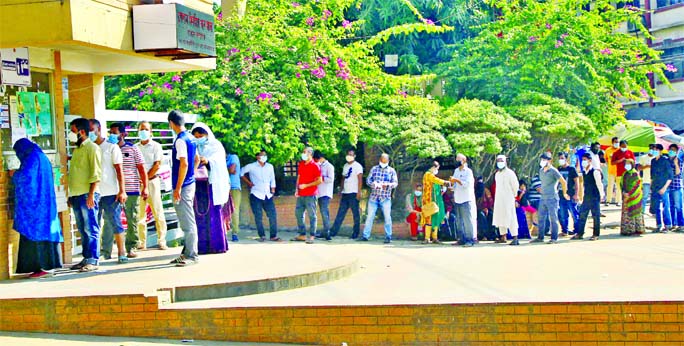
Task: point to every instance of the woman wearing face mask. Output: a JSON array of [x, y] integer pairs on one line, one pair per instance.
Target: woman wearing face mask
[[212, 196], [432, 195], [414, 201], [527, 214], [632, 219]]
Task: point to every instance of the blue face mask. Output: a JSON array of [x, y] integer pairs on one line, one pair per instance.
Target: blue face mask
[[201, 141], [92, 136], [654, 152], [144, 135], [114, 139], [672, 153]]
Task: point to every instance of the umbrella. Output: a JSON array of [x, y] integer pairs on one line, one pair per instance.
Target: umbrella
[[639, 134], [673, 139]]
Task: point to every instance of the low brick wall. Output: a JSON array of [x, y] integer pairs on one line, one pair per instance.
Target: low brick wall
[[610, 323]]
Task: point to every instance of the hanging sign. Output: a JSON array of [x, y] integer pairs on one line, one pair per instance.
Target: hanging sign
[[15, 67]]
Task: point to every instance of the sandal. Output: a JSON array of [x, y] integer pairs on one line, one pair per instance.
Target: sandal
[[122, 259], [276, 239], [178, 260], [309, 241]]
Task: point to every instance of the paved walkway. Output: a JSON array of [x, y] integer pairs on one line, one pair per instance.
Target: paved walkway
[[39, 339]]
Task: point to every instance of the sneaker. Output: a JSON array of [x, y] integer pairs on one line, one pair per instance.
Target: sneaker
[[572, 233], [536, 240], [79, 265], [468, 245], [563, 234], [276, 239], [594, 238], [362, 239], [163, 247], [261, 239], [388, 240], [178, 259], [89, 268], [514, 242], [141, 247], [673, 229], [132, 254], [319, 235], [328, 238], [552, 241], [186, 262], [41, 274], [299, 238], [577, 237], [235, 238]]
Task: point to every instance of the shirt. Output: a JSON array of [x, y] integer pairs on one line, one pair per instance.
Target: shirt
[[608, 154], [308, 172], [463, 193], [676, 178], [111, 155], [619, 155], [328, 173], [183, 147], [233, 159], [351, 172], [152, 152], [132, 157], [549, 183], [661, 172], [387, 177], [263, 178], [645, 160], [569, 174], [533, 195], [85, 168]]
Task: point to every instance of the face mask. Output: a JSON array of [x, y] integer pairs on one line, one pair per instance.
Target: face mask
[[383, 165], [72, 137], [434, 170], [92, 136], [672, 153], [349, 158], [623, 149], [616, 145], [561, 162], [201, 141], [543, 163], [585, 164], [501, 165], [418, 193], [113, 139], [628, 167], [458, 164], [144, 135], [654, 152], [305, 157], [595, 150], [263, 158]]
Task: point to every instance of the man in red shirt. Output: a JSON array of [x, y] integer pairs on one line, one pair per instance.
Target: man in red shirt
[[619, 158], [308, 179]]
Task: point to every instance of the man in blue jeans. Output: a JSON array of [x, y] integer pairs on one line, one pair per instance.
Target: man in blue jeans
[[661, 178], [85, 173], [593, 194], [676, 188], [568, 207], [548, 206], [260, 178], [382, 179]]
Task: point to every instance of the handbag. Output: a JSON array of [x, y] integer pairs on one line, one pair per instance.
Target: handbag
[[430, 209], [202, 173]]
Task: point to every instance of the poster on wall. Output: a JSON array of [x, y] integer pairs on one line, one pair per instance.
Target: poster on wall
[[14, 112], [43, 113], [34, 113], [15, 68], [4, 117]]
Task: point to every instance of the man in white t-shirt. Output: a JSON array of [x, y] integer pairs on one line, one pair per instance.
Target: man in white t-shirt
[[325, 191], [113, 193], [152, 154], [352, 180]]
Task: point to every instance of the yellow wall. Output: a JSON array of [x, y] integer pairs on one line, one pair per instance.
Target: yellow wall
[[38, 23]]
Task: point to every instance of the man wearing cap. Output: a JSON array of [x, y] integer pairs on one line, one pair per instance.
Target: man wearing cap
[[505, 216], [548, 206]]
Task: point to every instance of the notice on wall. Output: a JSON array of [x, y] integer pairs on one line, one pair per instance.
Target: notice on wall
[[14, 112], [14, 67], [34, 113], [4, 117]]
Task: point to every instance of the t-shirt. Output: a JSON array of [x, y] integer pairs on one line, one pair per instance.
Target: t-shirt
[[549, 183], [233, 159], [569, 174], [645, 160], [533, 195], [350, 174], [151, 152], [612, 169], [85, 168], [661, 172], [308, 173], [326, 188], [111, 155], [618, 155], [132, 157]]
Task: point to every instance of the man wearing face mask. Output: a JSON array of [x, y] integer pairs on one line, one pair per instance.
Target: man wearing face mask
[[505, 215], [464, 201], [351, 184], [308, 179], [382, 179], [661, 178], [568, 207], [548, 206], [677, 160], [414, 201], [260, 178], [112, 193], [152, 154], [136, 185], [613, 193], [325, 191], [85, 174], [618, 159], [593, 194]]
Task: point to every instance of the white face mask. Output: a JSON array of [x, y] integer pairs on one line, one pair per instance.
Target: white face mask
[[383, 165], [585, 164], [628, 167], [418, 193], [263, 158], [543, 163], [501, 165], [616, 145], [623, 149], [434, 170], [349, 158], [561, 162], [305, 157], [72, 137]]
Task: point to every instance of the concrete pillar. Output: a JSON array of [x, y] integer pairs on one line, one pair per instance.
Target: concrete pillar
[[64, 217], [86, 95], [229, 7]]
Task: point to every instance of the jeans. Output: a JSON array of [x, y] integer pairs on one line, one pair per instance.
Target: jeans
[[258, 207], [348, 201], [131, 210], [464, 222], [646, 188], [324, 206], [676, 207], [548, 216], [110, 213], [88, 225], [154, 200], [186, 220], [593, 206], [373, 205], [309, 205], [662, 215], [235, 218], [567, 209]]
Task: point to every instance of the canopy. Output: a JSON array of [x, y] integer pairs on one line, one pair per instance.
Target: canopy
[[639, 134]]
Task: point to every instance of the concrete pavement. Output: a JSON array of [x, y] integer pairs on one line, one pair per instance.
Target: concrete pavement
[[41, 339]]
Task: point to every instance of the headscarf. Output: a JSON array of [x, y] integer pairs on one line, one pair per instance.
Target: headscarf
[[35, 205], [503, 157], [215, 154]]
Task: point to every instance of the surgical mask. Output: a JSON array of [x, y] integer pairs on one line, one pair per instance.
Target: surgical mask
[[305, 157], [585, 163], [263, 158], [201, 141], [672, 153], [349, 158], [434, 170], [543, 163], [418, 193], [383, 165], [113, 139], [501, 165], [595, 150], [616, 145], [144, 135], [623, 149], [628, 167], [458, 164], [92, 136], [72, 137], [561, 162], [654, 152]]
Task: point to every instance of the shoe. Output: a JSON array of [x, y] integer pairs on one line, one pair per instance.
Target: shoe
[[362, 239], [328, 238], [186, 262], [563, 234], [552, 241], [235, 238], [310, 240], [673, 229], [261, 239], [79, 265], [500, 241], [594, 238], [514, 242], [276, 239], [89, 268], [178, 259], [414, 238], [132, 254], [460, 242], [603, 215], [141, 247], [547, 234], [536, 240], [354, 236], [163, 247], [299, 238], [577, 237], [319, 235], [468, 245], [41, 274], [388, 240], [572, 233]]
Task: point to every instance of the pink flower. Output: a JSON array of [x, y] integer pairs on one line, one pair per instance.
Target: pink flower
[[342, 74], [670, 68], [298, 75], [264, 97], [559, 43], [195, 103], [644, 93], [313, 39], [238, 91], [220, 16], [323, 61], [402, 93], [621, 69], [563, 36], [141, 93], [606, 51], [548, 26], [428, 21], [233, 51], [276, 106], [149, 91], [303, 65], [532, 39], [352, 92], [168, 86], [319, 72], [327, 14], [346, 24], [341, 64], [244, 73], [176, 78], [295, 4], [310, 21], [206, 106]]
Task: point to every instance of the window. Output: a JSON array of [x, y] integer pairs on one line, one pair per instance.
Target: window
[[666, 3], [674, 57]]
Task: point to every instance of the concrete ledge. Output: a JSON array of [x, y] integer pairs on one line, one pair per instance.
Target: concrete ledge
[[243, 288]]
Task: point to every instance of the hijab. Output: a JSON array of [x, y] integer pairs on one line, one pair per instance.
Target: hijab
[[215, 154]]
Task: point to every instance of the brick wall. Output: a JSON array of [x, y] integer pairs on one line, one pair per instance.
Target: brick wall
[[613, 323], [5, 224]]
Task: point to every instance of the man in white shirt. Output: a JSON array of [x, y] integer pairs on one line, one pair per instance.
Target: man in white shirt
[[352, 174], [260, 177], [325, 191], [153, 155], [113, 193], [464, 191]]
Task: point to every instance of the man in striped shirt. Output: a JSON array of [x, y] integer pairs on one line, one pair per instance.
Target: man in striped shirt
[[135, 178]]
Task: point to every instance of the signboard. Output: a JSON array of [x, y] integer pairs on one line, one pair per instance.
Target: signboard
[[34, 113], [391, 60], [15, 67], [173, 30]]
